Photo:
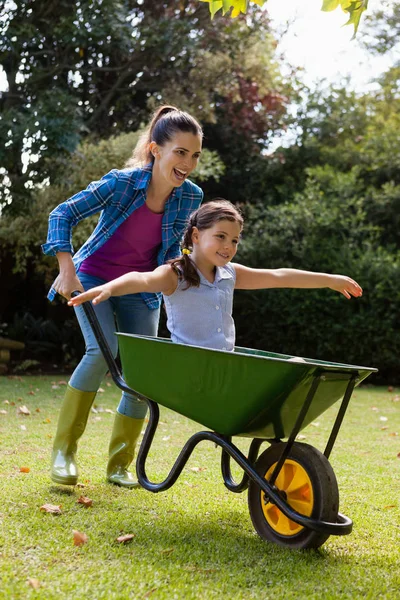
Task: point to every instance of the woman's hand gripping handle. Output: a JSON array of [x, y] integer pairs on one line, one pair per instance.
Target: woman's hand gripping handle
[[67, 280]]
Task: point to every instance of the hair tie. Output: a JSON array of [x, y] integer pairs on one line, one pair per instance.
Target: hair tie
[[185, 251]]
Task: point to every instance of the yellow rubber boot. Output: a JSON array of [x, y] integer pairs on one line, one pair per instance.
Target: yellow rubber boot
[[71, 425], [123, 441]]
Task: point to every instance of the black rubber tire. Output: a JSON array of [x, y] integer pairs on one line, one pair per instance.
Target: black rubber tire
[[325, 495]]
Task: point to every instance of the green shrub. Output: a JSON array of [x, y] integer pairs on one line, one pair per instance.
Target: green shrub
[[327, 232]]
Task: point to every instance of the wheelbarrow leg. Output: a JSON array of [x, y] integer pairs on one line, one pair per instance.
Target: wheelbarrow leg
[[340, 415], [229, 482]]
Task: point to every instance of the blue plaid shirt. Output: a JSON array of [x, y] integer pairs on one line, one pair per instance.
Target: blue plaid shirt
[[117, 195]]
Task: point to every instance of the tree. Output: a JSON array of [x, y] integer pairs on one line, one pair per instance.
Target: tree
[[381, 32], [98, 67], [354, 9]]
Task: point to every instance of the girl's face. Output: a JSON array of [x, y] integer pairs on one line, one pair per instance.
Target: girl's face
[[176, 159], [218, 244]]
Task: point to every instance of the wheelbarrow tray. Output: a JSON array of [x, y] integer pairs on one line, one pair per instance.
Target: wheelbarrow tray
[[248, 393]]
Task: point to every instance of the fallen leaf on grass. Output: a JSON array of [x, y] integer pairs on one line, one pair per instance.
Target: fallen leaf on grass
[[108, 410], [398, 456], [24, 469], [23, 428], [394, 433], [390, 506], [167, 551], [375, 408], [384, 427], [301, 437], [55, 387], [197, 469], [3, 412], [383, 418], [51, 508], [123, 539], [6, 402], [38, 410], [149, 593], [101, 390], [108, 384], [31, 393], [166, 438], [396, 399], [62, 382], [34, 583], [390, 388], [85, 501], [315, 424], [23, 410], [80, 485], [79, 538]]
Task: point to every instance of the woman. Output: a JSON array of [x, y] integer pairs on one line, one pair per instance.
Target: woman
[[144, 210]]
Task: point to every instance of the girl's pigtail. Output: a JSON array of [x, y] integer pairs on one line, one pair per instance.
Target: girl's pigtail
[[183, 266]]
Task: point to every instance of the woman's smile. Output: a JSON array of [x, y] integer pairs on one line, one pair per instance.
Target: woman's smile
[[180, 174]]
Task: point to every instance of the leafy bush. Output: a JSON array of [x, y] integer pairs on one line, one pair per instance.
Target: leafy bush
[[326, 231], [45, 341]]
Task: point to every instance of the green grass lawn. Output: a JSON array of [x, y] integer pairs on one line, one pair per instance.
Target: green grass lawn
[[195, 540]]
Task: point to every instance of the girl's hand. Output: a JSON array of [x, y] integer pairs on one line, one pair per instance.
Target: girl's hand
[[96, 294], [346, 286]]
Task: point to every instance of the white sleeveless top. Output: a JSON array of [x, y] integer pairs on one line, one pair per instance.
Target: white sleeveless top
[[202, 316]]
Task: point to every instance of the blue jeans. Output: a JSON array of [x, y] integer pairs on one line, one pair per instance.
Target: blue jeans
[[129, 314]]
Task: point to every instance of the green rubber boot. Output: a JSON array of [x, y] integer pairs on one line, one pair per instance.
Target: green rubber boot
[[71, 425], [123, 441]]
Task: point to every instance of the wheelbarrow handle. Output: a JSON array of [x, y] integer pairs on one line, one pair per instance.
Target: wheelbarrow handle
[[103, 344]]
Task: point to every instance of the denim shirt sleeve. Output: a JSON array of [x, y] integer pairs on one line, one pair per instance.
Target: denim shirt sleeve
[[68, 214]]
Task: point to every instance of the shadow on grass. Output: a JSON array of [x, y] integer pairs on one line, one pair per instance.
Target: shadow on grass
[[62, 490], [158, 527]]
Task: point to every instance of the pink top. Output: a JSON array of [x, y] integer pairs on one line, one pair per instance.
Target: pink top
[[133, 247]]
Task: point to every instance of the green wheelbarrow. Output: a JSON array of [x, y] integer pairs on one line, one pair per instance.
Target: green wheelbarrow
[[293, 495]]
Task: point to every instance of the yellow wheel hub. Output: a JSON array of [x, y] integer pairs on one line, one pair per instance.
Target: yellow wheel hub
[[294, 481]]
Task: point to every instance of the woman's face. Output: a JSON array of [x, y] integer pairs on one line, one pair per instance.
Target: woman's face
[[176, 159]]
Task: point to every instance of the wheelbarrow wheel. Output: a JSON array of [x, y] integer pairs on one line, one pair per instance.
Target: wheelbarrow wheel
[[308, 484]]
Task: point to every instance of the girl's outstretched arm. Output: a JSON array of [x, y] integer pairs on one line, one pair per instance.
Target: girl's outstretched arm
[[163, 279], [255, 279]]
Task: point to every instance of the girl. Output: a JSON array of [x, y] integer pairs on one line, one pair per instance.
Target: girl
[[144, 210], [198, 286]]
